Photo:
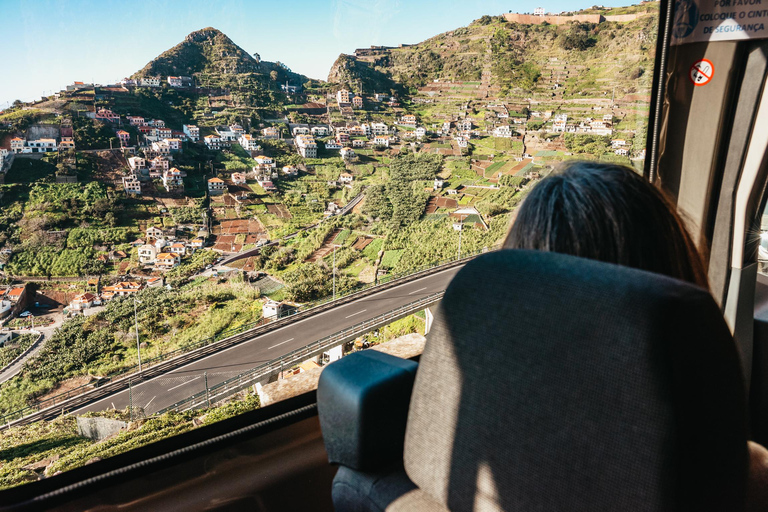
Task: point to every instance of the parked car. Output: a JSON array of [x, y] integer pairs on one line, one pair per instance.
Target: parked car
[[25, 314]]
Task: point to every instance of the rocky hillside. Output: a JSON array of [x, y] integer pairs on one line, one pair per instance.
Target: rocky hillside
[[210, 52], [513, 58], [347, 70]]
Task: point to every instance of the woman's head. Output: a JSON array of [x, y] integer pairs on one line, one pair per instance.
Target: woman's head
[[609, 213]]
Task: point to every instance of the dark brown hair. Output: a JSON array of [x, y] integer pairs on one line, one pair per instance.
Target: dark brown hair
[[609, 213]]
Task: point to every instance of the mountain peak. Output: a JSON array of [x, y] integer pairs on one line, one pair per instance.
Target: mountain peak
[[203, 51], [207, 33]]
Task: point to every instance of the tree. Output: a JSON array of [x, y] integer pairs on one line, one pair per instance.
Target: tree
[[273, 75]]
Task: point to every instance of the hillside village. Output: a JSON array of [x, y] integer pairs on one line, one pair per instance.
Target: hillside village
[[405, 157], [212, 190]]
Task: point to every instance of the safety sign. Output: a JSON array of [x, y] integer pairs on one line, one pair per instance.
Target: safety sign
[[702, 72], [719, 20]]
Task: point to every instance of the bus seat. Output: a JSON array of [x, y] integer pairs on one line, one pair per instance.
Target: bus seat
[[550, 382]]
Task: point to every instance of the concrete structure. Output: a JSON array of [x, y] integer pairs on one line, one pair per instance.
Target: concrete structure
[[167, 260], [343, 97], [248, 143], [150, 81], [307, 146], [147, 254], [192, 131], [216, 186], [131, 185], [172, 180]]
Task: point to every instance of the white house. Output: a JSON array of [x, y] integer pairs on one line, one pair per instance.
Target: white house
[[343, 97], [178, 248], [381, 140], [192, 131], [306, 145], [347, 154], [131, 185], [147, 254], [212, 141], [238, 178], [248, 143], [150, 81], [301, 130], [421, 132], [332, 144], [346, 178], [136, 163], [502, 131], [167, 260], [172, 180], [290, 171], [216, 186], [153, 232], [379, 129], [270, 132], [560, 123], [320, 131], [408, 120], [264, 161]]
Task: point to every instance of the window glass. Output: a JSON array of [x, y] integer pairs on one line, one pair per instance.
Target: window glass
[[187, 228]]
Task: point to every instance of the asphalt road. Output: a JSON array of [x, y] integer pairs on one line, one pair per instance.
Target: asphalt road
[[171, 387]]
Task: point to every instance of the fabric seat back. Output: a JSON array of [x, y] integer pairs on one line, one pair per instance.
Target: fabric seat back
[[551, 382]]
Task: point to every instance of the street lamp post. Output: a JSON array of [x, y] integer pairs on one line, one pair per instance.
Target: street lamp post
[[136, 325], [461, 228]]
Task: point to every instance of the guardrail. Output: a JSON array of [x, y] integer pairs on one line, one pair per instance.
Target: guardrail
[[118, 381], [25, 353], [243, 380]]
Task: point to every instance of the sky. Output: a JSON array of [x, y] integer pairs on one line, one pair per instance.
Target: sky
[[51, 43]]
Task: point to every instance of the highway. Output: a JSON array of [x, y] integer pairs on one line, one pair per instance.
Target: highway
[[166, 389]]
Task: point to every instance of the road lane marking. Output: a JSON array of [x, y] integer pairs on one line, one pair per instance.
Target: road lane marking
[[184, 383], [150, 401], [176, 371], [281, 343], [417, 291], [353, 314]]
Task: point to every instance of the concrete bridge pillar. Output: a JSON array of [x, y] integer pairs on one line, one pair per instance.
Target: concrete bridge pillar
[[428, 318]]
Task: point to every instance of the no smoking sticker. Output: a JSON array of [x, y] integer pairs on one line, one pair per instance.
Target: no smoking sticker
[[702, 72]]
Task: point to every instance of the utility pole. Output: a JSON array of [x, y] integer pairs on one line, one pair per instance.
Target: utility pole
[[130, 398], [461, 228], [207, 393], [334, 272], [136, 325]]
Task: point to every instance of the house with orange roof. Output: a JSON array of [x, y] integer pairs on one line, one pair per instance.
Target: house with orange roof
[[18, 145], [84, 301], [121, 289], [15, 294], [216, 186], [167, 260], [178, 248], [124, 137]]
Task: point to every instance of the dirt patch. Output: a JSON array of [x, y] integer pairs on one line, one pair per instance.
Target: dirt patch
[[431, 205], [326, 248], [361, 243], [444, 202], [279, 210], [67, 385]]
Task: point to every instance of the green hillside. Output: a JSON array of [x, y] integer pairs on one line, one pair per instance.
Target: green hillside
[[215, 60], [514, 59]]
